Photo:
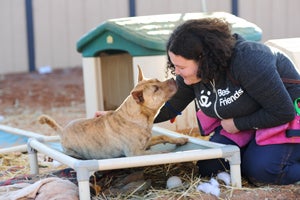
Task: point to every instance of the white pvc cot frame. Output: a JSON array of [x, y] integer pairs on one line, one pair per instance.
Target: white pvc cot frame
[[195, 149]]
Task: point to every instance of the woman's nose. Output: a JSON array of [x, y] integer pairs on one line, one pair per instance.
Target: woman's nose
[[177, 71]]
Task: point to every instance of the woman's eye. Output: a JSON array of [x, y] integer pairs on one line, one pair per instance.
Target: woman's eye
[[180, 67], [155, 88]]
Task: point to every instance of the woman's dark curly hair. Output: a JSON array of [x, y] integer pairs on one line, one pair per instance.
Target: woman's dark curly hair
[[207, 41]]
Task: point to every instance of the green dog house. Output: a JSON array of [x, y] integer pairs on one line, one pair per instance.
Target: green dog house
[[112, 51]]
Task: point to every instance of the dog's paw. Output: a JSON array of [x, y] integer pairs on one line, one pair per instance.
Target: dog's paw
[[182, 141]]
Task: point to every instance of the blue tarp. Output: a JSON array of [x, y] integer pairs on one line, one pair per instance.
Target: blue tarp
[[10, 140]]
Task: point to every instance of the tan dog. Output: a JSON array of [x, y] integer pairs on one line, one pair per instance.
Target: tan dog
[[123, 132]]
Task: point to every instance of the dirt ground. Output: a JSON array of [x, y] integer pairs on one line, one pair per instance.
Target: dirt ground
[[24, 96]]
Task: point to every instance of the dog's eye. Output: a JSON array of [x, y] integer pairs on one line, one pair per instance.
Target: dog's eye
[[156, 88]]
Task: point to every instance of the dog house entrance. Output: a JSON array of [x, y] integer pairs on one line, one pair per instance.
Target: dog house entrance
[[117, 78]]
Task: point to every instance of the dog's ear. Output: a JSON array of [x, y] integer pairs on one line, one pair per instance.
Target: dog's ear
[[138, 96], [141, 76]]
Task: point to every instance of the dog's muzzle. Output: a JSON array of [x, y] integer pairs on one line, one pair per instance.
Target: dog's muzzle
[[172, 84]]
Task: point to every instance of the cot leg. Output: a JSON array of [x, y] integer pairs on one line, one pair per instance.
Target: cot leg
[[33, 160], [83, 184], [235, 170], [235, 173], [84, 190]]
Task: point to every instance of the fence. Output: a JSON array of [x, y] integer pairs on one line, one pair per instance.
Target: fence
[[58, 24]]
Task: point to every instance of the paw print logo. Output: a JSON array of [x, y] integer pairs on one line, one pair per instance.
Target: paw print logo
[[203, 101]]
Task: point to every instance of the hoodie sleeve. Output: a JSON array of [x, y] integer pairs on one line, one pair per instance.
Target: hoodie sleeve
[[255, 69], [181, 99]]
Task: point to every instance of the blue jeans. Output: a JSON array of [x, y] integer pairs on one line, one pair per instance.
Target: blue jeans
[[275, 164]]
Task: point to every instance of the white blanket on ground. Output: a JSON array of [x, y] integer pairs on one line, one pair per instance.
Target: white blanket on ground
[[49, 188]]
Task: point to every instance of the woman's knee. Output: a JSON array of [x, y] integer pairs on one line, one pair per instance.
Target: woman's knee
[[256, 171], [266, 164]]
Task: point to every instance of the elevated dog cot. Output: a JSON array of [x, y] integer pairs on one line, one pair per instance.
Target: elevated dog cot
[[194, 150]]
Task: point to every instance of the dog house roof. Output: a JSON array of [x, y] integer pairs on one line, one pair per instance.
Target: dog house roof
[[147, 35]]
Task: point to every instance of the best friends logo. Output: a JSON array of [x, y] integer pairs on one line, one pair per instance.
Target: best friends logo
[[204, 99], [224, 97]]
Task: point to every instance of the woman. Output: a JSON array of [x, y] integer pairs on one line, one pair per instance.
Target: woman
[[238, 83]]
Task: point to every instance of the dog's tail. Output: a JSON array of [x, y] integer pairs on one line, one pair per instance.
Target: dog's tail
[[45, 119]]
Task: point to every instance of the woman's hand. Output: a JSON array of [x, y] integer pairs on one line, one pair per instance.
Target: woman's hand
[[100, 113], [229, 126]]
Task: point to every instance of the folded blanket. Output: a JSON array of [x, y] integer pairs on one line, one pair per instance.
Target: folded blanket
[[48, 188]]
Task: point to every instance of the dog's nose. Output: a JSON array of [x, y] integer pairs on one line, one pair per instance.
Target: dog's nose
[[172, 82]]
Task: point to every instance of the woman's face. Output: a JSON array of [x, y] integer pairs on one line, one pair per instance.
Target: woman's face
[[187, 69]]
